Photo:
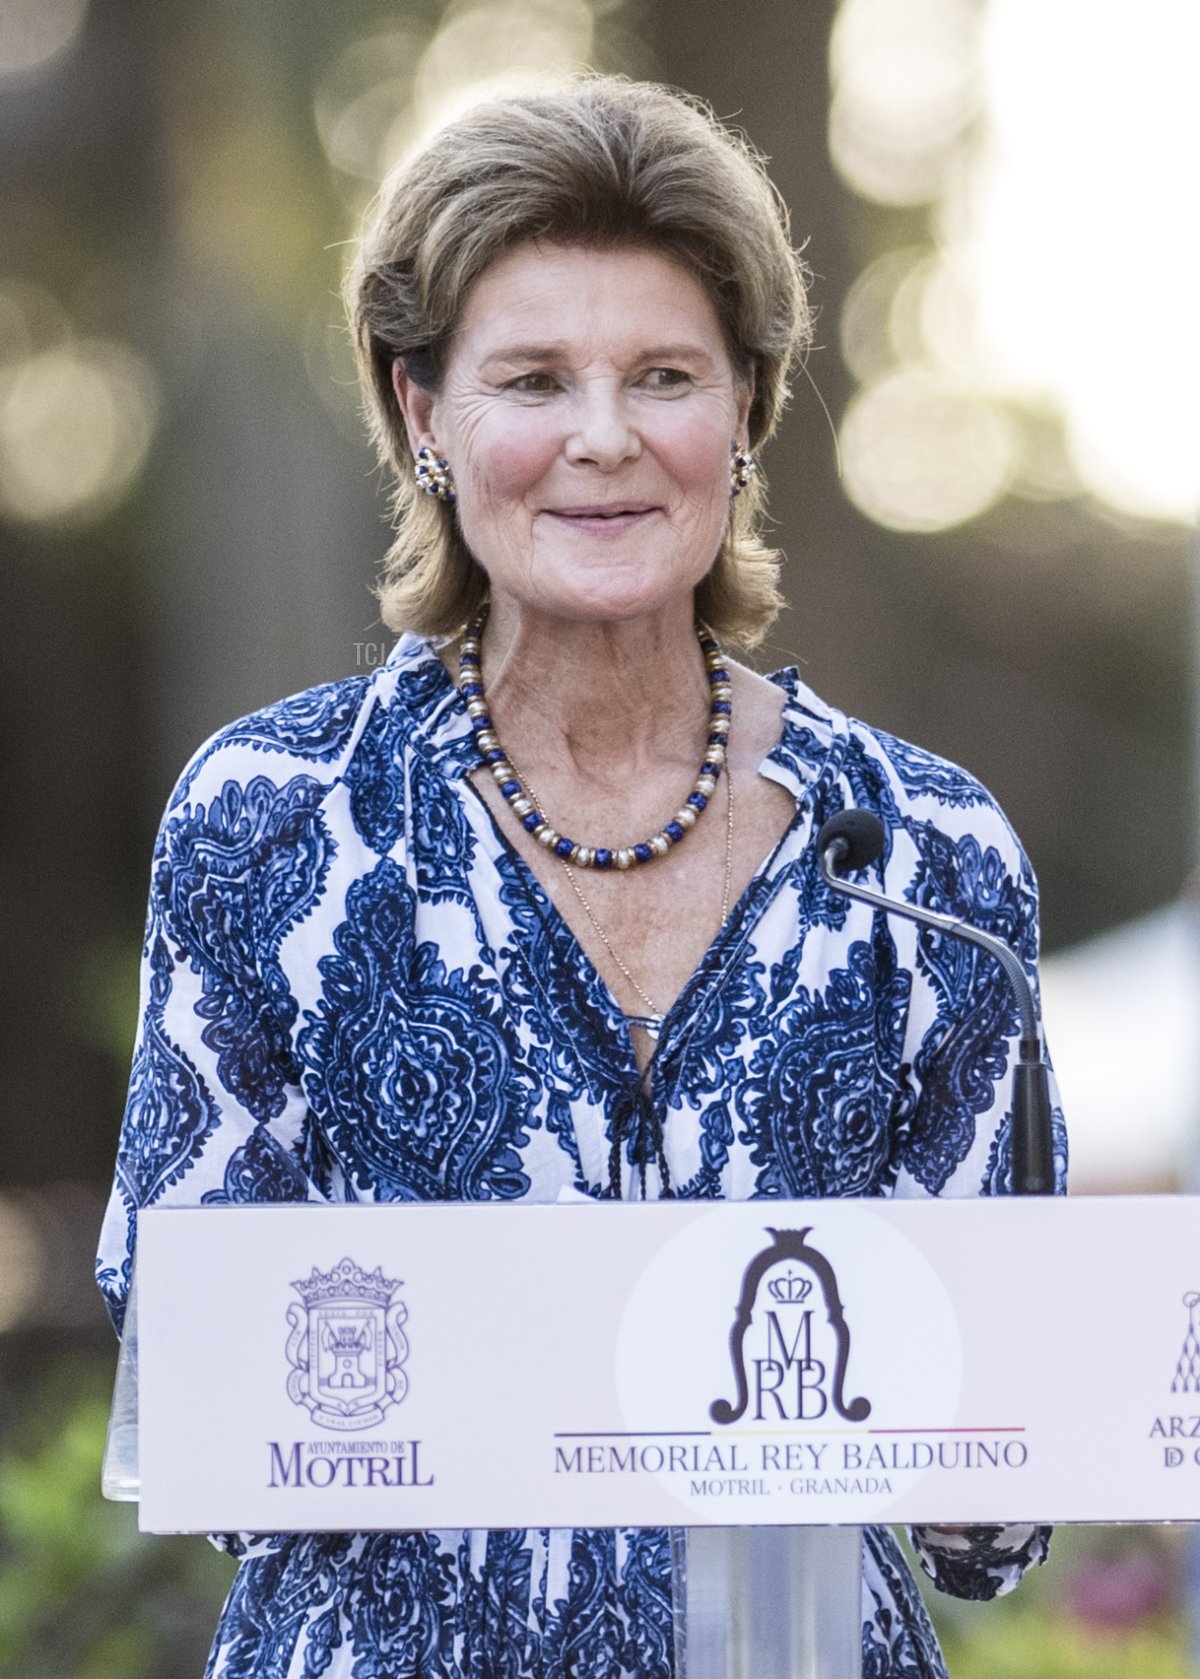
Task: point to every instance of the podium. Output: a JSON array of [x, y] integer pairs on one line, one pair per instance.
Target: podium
[[761, 1378]]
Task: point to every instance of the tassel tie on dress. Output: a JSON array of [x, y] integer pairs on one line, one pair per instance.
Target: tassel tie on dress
[[635, 1118]]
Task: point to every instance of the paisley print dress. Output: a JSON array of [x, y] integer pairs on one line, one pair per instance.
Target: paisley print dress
[[354, 990]]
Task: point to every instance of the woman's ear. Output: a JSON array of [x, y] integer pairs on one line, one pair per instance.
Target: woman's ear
[[416, 406], [745, 391]]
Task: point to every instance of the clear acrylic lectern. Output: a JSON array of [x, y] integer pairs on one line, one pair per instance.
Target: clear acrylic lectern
[[769, 1603]]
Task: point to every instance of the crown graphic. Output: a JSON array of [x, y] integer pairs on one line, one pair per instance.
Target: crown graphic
[[789, 1290], [347, 1281]]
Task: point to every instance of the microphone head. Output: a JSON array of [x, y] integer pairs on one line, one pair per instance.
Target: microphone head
[[851, 840]]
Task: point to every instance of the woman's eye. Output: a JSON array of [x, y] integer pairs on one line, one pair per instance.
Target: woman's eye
[[533, 384], [665, 378]]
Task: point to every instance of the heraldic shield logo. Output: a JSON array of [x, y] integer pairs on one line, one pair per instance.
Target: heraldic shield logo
[[346, 1346]]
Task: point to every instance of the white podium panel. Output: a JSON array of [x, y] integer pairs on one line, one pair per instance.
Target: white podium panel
[[672, 1363]]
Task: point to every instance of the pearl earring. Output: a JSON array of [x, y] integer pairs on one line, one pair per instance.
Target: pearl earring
[[742, 467], [433, 475]]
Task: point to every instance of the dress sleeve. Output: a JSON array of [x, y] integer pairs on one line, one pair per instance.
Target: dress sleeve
[[980, 1562], [957, 1120], [215, 1112]]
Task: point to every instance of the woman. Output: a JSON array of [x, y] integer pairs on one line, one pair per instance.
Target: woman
[[535, 909]]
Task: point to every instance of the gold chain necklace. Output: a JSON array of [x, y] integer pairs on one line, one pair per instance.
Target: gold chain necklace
[[652, 1022]]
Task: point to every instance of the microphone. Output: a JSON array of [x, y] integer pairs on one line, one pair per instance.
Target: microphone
[[853, 840]]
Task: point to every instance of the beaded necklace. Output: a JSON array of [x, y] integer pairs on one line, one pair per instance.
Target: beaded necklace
[[526, 808]]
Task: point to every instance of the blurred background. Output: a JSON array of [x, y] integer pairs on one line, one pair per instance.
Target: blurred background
[[986, 488]]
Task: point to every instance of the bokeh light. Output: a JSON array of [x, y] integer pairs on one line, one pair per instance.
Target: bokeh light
[[865, 327], [905, 84], [482, 50], [387, 94], [921, 452], [1024, 299], [1086, 241], [35, 35], [360, 99], [77, 415]]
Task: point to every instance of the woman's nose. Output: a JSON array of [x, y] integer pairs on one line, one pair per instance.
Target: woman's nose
[[602, 432]]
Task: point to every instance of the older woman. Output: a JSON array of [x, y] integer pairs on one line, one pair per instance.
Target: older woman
[[534, 910]]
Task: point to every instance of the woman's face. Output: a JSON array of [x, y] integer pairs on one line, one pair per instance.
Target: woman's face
[[587, 414]]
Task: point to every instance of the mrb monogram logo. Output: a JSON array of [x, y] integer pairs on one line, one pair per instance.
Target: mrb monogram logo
[[789, 1382], [790, 1343], [346, 1346]]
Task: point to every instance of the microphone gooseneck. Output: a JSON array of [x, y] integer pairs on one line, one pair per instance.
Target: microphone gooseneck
[[853, 840]]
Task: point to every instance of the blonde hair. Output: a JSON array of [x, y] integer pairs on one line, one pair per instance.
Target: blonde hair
[[599, 162]]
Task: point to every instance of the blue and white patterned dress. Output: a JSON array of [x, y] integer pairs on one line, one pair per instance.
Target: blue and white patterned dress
[[355, 990]]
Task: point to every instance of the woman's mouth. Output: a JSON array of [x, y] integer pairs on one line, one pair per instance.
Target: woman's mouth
[[604, 518]]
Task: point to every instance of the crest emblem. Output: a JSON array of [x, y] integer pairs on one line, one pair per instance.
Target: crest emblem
[[346, 1346]]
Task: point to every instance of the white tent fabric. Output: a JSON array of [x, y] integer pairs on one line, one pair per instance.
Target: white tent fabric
[[1122, 1015]]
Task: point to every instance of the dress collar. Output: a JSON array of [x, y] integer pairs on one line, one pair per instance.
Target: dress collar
[[415, 686], [812, 742]]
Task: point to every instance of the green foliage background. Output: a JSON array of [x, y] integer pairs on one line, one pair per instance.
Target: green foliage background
[[83, 1594]]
